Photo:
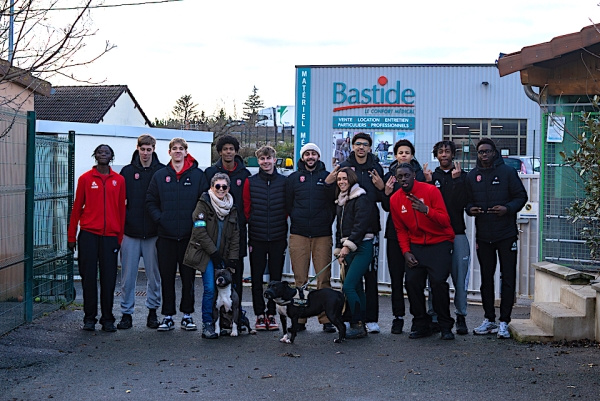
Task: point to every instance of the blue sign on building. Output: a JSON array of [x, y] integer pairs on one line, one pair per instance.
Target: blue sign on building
[[362, 122]]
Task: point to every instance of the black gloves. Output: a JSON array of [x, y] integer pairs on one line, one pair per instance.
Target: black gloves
[[217, 260]]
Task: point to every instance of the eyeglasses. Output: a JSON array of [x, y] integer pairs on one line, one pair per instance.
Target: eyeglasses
[[363, 144], [219, 186], [485, 152]]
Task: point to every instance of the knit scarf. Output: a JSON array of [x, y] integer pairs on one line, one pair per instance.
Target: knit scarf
[[354, 192], [222, 207]]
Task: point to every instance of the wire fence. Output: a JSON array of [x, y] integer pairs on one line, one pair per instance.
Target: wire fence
[[561, 186], [36, 191]]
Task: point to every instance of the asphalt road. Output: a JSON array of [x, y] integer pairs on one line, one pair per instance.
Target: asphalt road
[[52, 358]]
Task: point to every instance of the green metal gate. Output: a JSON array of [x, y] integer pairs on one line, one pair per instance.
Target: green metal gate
[[36, 192]]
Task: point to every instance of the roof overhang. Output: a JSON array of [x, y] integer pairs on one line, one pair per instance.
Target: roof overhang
[[9, 73], [567, 65]]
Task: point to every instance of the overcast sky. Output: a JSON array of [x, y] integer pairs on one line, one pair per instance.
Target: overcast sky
[[217, 51]]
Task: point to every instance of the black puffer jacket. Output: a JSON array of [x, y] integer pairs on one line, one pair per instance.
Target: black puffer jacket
[[310, 202], [238, 178], [489, 187], [352, 223], [390, 231], [138, 223], [171, 202], [366, 182], [455, 196], [265, 201]]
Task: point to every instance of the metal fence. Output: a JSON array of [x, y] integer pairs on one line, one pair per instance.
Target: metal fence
[[36, 191], [13, 195], [561, 242]]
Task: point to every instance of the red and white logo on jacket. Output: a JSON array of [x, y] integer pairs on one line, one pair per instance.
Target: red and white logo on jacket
[[479, 178], [94, 185], [168, 179], [239, 182], [114, 183], [302, 178], [137, 176]]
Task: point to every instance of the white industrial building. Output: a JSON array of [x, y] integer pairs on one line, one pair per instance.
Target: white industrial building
[[425, 103]]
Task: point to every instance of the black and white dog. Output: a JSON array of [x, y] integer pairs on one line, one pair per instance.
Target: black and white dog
[[226, 306], [296, 303]]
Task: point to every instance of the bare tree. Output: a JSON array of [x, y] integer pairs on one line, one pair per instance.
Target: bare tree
[[33, 50]]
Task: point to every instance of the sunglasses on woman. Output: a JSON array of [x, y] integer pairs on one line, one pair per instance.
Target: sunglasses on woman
[[219, 186]]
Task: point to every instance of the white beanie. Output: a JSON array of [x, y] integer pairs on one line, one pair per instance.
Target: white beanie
[[310, 146]]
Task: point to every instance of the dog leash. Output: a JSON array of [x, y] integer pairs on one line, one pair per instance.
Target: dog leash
[[317, 275]]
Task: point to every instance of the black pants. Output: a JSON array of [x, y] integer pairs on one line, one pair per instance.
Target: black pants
[[488, 254], [372, 286], [435, 261], [263, 254], [98, 253], [170, 255], [396, 266]]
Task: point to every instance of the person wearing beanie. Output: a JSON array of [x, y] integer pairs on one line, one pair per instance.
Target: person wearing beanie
[[310, 196]]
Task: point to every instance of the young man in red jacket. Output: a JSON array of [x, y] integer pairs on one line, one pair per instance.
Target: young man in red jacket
[[99, 210], [426, 238]]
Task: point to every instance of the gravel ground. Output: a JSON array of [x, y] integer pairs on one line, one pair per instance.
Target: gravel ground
[[52, 358]]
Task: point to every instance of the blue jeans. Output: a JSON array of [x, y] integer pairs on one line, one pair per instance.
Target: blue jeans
[[208, 296], [131, 251], [461, 258]]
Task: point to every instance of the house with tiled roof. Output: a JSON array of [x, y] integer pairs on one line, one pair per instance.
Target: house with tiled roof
[[93, 104]]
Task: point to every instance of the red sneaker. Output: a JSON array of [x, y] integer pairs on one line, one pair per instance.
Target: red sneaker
[[272, 323], [260, 325]]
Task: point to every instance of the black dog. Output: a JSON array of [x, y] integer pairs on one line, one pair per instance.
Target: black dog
[[295, 304], [226, 306]]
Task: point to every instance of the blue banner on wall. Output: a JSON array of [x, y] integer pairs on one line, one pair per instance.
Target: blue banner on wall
[[362, 122], [302, 110]]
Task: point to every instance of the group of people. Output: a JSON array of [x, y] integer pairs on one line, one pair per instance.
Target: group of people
[[180, 218]]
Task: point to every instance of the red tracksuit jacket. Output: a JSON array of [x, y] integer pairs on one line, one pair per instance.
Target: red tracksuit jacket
[[99, 205], [415, 227]]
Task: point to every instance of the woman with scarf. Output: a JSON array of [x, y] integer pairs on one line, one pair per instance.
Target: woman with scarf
[[214, 243], [354, 245]]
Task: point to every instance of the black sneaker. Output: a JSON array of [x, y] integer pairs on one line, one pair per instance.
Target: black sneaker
[[397, 326], [356, 330], [447, 335], [89, 326], [166, 325], [109, 327], [420, 333], [126, 322], [152, 320], [208, 331], [187, 323], [329, 328], [435, 327], [461, 325]]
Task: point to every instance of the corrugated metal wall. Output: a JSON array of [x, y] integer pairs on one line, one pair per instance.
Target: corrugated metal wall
[[441, 91]]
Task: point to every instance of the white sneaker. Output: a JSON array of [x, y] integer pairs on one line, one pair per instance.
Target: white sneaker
[[372, 327], [486, 327], [503, 330]]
